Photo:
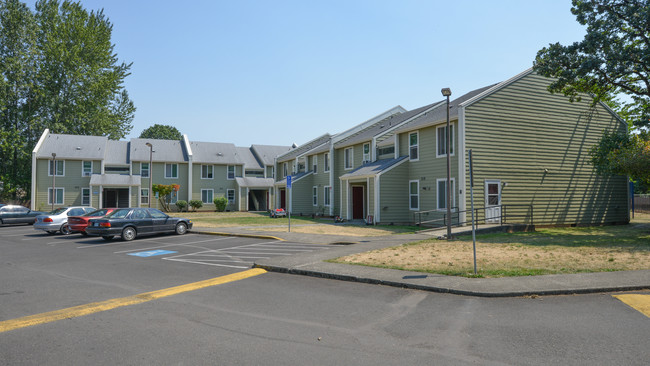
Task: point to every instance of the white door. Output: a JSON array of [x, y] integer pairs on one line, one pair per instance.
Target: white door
[[493, 201]]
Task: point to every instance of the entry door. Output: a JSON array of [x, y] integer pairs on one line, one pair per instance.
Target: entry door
[[283, 199], [357, 202], [493, 201], [110, 198]]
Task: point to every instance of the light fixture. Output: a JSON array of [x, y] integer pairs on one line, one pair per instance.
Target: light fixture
[[150, 172], [446, 92]]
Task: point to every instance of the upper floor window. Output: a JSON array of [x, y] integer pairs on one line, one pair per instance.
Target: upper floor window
[[314, 163], [327, 162], [414, 146], [366, 153], [272, 172], [87, 168], [285, 169], [60, 168], [207, 171], [231, 172], [441, 138], [348, 158], [171, 170], [144, 170]]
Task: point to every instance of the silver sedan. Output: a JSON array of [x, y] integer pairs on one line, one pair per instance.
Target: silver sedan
[[57, 220]]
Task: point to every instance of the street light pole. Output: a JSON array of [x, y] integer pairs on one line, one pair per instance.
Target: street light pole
[[150, 172], [447, 93], [53, 179]]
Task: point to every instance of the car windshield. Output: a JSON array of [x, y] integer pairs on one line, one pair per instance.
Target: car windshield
[[101, 212], [118, 214], [157, 214], [57, 211]]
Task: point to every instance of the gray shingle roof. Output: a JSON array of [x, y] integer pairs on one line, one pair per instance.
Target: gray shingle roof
[[254, 182], [215, 153], [372, 169], [117, 153], [73, 147], [267, 153], [170, 151], [114, 180], [247, 158], [294, 177], [304, 148]]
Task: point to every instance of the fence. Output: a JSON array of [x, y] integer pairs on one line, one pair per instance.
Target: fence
[[503, 214], [642, 203]]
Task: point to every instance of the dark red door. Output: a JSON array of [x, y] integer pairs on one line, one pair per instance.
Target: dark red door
[[357, 203], [283, 199]]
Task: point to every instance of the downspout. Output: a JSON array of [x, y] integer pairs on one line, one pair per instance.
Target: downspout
[[462, 175], [36, 148], [188, 148], [331, 178]]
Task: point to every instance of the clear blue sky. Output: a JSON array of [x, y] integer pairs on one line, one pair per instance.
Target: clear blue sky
[[278, 72]]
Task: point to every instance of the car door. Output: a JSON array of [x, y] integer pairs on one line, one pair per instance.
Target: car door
[[21, 215], [8, 215], [161, 222], [142, 220]]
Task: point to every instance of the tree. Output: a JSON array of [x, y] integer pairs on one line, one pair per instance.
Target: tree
[[613, 60], [162, 132], [58, 71], [164, 192]]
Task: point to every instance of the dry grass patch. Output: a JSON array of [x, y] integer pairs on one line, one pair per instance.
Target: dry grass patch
[[348, 230]]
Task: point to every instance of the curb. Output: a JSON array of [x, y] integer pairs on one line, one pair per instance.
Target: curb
[[374, 281], [238, 235]]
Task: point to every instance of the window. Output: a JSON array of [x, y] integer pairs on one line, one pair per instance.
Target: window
[[85, 196], [60, 168], [171, 171], [441, 133], [144, 170], [87, 168], [284, 170], [314, 163], [173, 197], [231, 172], [314, 196], [327, 162], [388, 150], [442, 194], [206, 195], [207, 171], [348, 157], [414, 194], [58, 200], [144, 196], [272, 172], [117, 169], [366, 153], [414, 149], [326, 196], [231, 196]]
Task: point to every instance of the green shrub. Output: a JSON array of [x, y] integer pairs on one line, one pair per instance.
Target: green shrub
[[182, 205], [220, 203], [196, 204]]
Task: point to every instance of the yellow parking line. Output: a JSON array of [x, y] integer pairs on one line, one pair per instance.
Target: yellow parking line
[[81, 310], [636, 301]]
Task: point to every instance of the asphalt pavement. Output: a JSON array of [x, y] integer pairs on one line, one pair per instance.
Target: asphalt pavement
[[314, 264]]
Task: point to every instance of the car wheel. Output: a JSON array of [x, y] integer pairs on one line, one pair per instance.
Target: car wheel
[[83, 233], [65, 229], [107, 237], [51, 232], [128, 233], [181, 228]]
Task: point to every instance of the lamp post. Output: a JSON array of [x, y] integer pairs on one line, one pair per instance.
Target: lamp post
[[447, 93], [53, 179], [150, 172]]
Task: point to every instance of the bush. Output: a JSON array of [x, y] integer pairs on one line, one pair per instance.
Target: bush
[[182, 205], [196, 204], [220, 203]]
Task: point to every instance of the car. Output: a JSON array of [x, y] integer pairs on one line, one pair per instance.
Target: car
[[16, 214], [79, 223], [57, 220], [278, 212], [129, 223]]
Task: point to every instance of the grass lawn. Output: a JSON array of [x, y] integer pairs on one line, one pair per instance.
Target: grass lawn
[[299, 224], [546, 251]]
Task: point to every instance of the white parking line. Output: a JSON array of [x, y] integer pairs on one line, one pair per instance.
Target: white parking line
[[207, 264], [176, 244], [117, 242]]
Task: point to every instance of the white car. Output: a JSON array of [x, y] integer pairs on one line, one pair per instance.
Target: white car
[[57, 220]]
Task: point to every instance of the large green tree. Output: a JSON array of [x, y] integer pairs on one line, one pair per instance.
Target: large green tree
[[162, 132], [59, 71]]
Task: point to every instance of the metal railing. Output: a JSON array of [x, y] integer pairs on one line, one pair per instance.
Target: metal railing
[[506, 214]]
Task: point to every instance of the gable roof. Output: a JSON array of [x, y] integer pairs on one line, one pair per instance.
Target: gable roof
[[117, 153], [170, 151], [373, 168], [214, 153], [245, 155], [266, 154], [78, 147], [294, 153]]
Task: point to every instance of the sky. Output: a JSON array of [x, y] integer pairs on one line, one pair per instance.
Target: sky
[[282, 72]]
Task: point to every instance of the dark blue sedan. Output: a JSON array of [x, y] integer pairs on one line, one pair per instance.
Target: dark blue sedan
[[130, 223]]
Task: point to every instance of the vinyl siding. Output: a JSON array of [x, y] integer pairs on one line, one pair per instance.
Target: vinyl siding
[[521, 130], [301, 202], [219, 184], [158, 175], [72, 183], [394, 195]]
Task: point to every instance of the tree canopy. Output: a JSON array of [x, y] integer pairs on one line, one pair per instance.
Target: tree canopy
[[162, 132], [58, 70]]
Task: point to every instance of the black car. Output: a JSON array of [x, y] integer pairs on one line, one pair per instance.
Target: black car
[[15, 214], [132, 222]]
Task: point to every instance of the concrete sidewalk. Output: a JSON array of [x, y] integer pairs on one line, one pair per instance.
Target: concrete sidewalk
[[313, 264]]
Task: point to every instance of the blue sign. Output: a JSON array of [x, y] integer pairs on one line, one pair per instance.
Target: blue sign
[[288, 181], [152, 253]]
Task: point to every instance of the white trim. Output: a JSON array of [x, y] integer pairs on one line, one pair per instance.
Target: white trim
[[49, 196], [207, 190], [417, 193], [129, 197], [279, 158], [417, 146], [363, 153], [141, 196], [462, 174], [314, 189], [398, 125], [345, 161], [46, 132], [148, 170], [177, 172], [329, 193], [396, 144], [101, 196], [49, 164], [83, 167], [212, 170], [326, 162], [341, 136], [89, 196], [452, 139], [453, 194], [234, 200], [314, 166], [234, 173], [376, 191], [496, 88]]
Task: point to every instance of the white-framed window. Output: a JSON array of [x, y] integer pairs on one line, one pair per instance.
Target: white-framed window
[[314, 195], [86, 168], [441, 194], [314, 164], [231, 172], [230, 194], [414, 194], [326, 196], [207, 171], [326, 168], [60, 168], [414, 146], [85, 196], [144, 196], [60, 193], [285, 169], [144, 170], [348, 158], [207, 196], [366, 153], [441, 139], [171, 171], [272, 172]]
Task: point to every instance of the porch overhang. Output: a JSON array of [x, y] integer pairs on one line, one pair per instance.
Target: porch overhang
[[254, 182], [115, 180], [373, 169]]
